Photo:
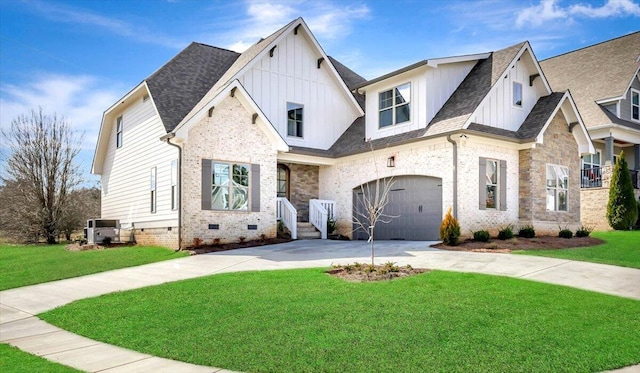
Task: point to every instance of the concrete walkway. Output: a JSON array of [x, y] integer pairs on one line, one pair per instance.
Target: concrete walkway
[[21, 328]]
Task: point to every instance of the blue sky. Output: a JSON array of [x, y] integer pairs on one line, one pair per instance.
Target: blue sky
[[76, 58]]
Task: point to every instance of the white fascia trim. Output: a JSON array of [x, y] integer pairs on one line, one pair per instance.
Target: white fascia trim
[[277, 40], [306, 159], [434, 62], [586, 145], [100, 145], [610, 100], [182, 130]]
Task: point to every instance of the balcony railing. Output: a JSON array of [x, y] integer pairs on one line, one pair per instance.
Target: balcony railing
[[593, 177]]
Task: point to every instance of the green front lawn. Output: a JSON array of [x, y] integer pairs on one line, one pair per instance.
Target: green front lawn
[[15, 361], [622, 248], [305, 320], [34, 264]]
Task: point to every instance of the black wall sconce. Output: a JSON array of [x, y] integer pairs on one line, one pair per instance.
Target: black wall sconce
[[391, 161]]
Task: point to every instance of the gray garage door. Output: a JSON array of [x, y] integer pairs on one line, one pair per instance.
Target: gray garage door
[[417, 203]]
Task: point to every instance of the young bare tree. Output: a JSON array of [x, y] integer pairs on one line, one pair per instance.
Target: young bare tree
[[41, 150], [369, 209]]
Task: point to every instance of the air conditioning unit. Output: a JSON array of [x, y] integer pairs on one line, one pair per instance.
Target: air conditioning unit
[[98, 229]]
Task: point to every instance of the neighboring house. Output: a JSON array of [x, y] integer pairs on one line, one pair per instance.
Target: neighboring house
[[604, 81], [220, 145]]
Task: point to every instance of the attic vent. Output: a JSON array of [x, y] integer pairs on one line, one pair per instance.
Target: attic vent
[[145, 98]]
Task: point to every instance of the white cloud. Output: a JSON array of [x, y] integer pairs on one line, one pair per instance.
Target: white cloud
[[549, 10], [612, 8], [536, 15], [327, 19], [81, 100]]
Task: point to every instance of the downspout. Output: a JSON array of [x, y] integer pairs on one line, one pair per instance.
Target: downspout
[[455, 176], [168, 138]]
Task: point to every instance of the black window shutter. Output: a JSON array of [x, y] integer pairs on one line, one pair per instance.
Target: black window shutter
[[255, 187], [206, 184], [503, 185], [482, 184]]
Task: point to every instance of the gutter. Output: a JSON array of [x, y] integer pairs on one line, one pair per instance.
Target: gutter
[[168, 138], [455, 176]]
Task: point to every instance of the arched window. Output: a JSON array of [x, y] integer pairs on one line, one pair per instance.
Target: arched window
[[283, 181]]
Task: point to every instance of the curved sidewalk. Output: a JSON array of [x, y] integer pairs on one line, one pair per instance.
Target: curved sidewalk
[[20, 327]]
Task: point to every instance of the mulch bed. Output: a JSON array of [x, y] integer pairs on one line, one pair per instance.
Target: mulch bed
[[365, 272], [203, 249], [518, 243]]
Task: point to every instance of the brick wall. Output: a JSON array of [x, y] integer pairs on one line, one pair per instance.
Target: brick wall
[[151, 236], [560, 148], [227, 136]]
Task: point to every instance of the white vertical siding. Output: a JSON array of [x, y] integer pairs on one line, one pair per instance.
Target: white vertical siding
[[292, 75], [430, 89], [497, 110], [126, 172]]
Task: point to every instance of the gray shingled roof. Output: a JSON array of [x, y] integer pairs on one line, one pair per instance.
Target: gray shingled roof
[[350, 79], [178, 85], [595, 73]]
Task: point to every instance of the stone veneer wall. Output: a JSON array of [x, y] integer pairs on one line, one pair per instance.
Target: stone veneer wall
[[559, 148], [303, 184], [227, 136], [593, 202]]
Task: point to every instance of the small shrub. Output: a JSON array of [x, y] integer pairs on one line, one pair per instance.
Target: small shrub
[[369, 268], [584, 231], [527, 231], [357, 266], [216, 242], [241, 239], [565, 233], [106, 241], [481, 236], [331, 225], [197, 241], [263, 237], [391, 267], [505, 233], [450, 229]]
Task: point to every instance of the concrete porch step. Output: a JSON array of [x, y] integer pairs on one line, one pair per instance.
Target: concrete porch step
[[307, 231]]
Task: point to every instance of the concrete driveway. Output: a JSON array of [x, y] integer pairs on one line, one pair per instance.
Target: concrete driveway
[[18, 307]]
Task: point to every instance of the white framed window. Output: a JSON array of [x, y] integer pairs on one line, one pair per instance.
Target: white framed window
[[394, 106], [153, 194], [635, 105], [174, 184], [591, 160], [230, 186], [492, 181], [557, 187], [294, 120], [119, 126], [517, 94]]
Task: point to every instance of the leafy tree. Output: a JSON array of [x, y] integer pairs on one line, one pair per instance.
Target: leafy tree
[[622, 210], [40, 172]]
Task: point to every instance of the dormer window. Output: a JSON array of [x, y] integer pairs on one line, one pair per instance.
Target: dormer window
[[635, 105], [395, 105], [517, 94], [294, 120]]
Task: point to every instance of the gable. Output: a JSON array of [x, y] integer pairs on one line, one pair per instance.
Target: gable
[[293, 71]]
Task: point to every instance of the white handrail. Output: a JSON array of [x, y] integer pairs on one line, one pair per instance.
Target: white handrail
[[319, 212], [288, 214]]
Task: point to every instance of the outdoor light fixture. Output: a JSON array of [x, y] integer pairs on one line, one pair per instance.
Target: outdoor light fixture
[[391, 161]]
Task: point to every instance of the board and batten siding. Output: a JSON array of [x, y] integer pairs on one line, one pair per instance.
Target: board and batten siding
[[292, 75], [430, 89], [126, 177], [625, 105], [497, 109]]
